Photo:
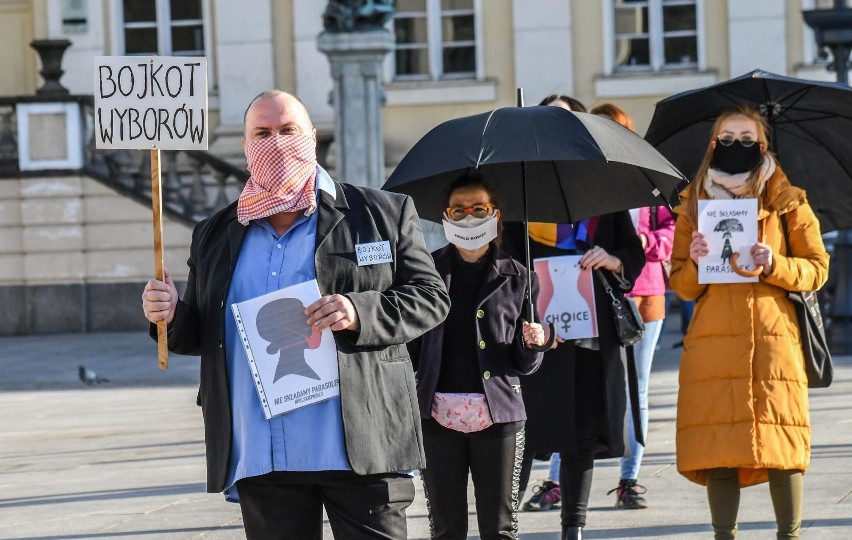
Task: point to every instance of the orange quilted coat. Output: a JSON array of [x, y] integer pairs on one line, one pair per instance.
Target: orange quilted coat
[[743, 399]]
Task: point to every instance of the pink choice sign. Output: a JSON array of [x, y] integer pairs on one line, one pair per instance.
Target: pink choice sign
[[567, 296]]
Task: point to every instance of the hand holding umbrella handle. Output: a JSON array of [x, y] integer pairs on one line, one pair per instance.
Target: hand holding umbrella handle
[[547, 344], [742, 272]]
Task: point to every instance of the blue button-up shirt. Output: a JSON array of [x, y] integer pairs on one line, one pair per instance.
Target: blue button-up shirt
[[306, 439]]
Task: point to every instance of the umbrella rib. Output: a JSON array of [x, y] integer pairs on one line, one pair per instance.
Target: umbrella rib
[[562, 190], [482, 139]]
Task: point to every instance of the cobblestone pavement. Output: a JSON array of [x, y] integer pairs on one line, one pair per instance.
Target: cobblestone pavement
[[126, 459]]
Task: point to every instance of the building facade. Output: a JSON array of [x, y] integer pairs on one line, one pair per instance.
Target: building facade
[[70, 241]]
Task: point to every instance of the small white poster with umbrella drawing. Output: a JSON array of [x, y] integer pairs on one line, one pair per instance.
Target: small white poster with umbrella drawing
[[730, 229]]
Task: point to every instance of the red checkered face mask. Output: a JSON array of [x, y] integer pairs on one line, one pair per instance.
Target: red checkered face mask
[[283, 177]]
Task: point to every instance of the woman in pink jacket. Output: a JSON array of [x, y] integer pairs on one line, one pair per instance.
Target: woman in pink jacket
[[655, 227]]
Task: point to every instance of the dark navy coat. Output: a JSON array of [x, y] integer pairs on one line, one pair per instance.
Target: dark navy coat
[[500, 311]]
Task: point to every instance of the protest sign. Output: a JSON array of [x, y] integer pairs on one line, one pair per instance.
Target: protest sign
[[155, 102], [152, 103], [566, 297], [728, 226], [292, 363]]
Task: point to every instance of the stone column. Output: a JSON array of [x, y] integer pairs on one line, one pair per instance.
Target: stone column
[[356, 60]]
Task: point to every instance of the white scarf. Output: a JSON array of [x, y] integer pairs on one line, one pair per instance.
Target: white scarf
[[721, 185]]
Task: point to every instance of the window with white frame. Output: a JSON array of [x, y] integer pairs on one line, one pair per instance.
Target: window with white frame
[[436, 39], [163, 27], [655, 35]]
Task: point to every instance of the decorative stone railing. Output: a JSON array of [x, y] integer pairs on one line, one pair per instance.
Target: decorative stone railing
[[194, 183]]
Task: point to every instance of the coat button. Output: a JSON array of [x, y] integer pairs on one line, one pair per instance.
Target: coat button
[[481, 344], [486, 375], [480, 314]]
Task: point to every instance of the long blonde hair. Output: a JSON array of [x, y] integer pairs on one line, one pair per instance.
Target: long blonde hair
[[696, 187]]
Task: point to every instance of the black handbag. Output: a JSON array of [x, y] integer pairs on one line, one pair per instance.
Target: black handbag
[[811, 331], [629, 326]]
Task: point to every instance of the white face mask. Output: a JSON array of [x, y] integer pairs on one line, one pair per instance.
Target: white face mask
[[471, 233]]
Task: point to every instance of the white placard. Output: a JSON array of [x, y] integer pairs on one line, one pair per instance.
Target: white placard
[[728, 226], [292, 363], [142, 103], [566, 296]]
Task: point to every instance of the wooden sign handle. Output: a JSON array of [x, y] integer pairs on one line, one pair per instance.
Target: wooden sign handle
[[159, 266]]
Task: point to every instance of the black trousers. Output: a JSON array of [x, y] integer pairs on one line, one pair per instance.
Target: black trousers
[[288, 505], [493, 459], [575, 471]]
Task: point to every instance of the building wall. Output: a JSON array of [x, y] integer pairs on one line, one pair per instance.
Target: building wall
[[414, 108], [75, 255], [17, 58]]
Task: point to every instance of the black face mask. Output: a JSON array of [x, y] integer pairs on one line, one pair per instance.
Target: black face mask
[[736, 158]]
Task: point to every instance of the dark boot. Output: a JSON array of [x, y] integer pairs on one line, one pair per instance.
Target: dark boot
[[573, 533], [628, 495]]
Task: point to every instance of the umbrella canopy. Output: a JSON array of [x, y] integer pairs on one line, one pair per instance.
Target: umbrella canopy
[[575, 165], [811, 122]]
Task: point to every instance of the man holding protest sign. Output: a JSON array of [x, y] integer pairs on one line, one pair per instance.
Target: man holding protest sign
[[379, 288]]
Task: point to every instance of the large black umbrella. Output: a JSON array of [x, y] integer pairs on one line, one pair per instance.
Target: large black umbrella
[[542, 163], [811, 123], [575, 165]]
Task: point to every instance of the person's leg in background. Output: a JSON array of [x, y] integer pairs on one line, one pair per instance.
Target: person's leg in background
[[577, 470], [577, 466], [686, 308], [723, 494], [787, 490], [628, 493], [546, 496]]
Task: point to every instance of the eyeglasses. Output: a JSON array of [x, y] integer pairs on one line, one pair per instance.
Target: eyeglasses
[[727, 140], [480, 210]]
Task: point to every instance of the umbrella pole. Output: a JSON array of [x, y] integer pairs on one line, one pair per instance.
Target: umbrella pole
[[527, 242], [552, 338], [548, 344], [520, 103]]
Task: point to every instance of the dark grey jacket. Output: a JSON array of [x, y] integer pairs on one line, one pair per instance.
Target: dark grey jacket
[[396, 302], [504, 358]]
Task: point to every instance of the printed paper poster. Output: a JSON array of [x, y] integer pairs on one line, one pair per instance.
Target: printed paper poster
[[293, 364], [566, 297], [728, 226]]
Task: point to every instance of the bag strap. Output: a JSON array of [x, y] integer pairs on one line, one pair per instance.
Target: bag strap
[[653, 217], [607, 287]]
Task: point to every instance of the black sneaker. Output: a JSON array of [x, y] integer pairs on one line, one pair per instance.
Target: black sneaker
[[545, 497], [629, 496]]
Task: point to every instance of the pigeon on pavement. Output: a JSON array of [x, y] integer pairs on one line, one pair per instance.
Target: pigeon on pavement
[[90, 378]]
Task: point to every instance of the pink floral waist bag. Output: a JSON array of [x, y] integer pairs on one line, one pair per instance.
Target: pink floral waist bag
[[461, 412]]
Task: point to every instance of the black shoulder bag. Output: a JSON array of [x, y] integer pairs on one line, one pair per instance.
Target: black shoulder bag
[[811, 331], [629, 326]]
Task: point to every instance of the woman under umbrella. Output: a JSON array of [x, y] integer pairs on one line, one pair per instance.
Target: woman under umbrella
[[742, 414], [577, 401], [467, 372], [655, 228]]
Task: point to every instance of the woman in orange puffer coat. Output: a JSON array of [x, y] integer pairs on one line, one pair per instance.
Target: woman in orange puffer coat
[[742, 416]]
